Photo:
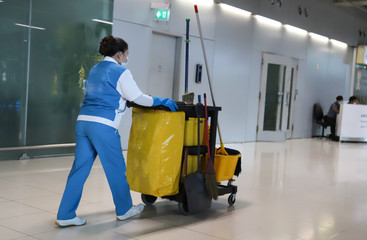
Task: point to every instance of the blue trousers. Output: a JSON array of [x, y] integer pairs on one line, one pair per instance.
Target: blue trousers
[[91, 139]]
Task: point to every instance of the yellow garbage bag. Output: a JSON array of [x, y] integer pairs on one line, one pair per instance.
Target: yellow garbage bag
[[155, 151], [191, 132]]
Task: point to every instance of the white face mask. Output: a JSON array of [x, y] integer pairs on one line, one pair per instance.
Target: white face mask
[[125, 63]]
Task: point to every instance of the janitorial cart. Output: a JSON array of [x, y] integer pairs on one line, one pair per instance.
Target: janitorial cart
[[172, 155], [163, 153]]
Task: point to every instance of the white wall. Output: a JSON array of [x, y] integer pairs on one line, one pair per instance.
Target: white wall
[[133, 21], [235, 44], [249, 39], [324, 17]]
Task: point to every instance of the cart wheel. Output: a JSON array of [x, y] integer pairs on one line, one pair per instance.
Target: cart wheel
[[182, 207], [148, 200], [232, 199]]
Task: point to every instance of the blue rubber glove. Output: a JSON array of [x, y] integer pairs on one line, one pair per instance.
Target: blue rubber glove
[[157, 101]]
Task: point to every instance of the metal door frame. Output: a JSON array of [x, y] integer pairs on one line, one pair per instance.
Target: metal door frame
[[283, 134], [292, 99]]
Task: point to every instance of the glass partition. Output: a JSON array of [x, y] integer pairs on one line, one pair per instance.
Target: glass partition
[[360, 83], [62, 40], [67, 47], [13, 70]]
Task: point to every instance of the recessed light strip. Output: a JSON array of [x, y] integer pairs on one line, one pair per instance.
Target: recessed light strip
[[102, 21], [287, 26], [268, 21], [199, 2], [339, 43], [28, 26], [319, 37], [235, 10], [295, 29]]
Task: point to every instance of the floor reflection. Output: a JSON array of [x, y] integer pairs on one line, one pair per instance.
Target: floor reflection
[[298, 189]]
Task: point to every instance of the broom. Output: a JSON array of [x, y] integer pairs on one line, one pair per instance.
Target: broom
[[210, 177]]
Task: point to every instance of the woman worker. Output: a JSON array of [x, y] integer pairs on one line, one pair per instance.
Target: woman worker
[[108, 86]]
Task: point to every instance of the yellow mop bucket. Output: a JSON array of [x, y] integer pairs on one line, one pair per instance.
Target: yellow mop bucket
[[226, 166]]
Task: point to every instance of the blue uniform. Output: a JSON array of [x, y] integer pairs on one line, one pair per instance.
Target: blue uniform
[[108, 86]]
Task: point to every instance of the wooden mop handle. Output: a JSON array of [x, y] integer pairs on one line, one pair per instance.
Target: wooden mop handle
[[206, 127], [204, 53], [206, 65]]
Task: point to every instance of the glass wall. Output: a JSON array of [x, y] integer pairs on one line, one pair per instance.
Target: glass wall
[[13, 71], [48, 48], [360, 83]]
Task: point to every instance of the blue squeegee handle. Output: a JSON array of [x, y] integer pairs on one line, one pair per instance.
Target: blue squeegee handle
[[187, 55]]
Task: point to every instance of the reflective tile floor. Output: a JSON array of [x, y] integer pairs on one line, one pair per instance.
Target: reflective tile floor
[[299, 189]]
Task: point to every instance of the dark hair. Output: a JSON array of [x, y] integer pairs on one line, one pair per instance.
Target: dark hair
[[352, 98], [339, 98], [110, 45]]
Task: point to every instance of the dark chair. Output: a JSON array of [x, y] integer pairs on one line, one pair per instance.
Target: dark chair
[[318, 115]]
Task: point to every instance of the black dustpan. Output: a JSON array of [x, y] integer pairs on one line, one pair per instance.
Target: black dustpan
[[197, 196]]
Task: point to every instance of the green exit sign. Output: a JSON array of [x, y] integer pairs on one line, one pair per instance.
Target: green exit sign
[[161, 15]]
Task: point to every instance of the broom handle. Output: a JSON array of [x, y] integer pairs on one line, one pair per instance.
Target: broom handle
[[206, 65], [206, 127]]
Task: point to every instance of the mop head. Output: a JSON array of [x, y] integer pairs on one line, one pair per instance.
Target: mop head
[[188, 98], [221, 150]]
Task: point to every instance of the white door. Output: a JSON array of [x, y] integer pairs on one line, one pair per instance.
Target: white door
[[162, 66], [277, 91]]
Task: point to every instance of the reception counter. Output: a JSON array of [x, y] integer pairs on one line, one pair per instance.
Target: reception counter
[[351, 123]]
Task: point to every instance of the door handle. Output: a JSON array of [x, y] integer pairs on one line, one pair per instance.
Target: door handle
[[288, 99], [280, 97]]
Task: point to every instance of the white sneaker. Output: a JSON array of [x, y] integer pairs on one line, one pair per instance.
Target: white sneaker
[[133, 211], [77, 221]]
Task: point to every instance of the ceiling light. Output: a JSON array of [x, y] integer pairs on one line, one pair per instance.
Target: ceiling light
[[235, 10], [268, 21], [338, 43], [319, 37], [102, 21], [295, 29], [205, 1], [199, 2], [28, 26], [159, 5]]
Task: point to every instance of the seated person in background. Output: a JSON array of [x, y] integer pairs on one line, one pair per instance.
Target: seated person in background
[[353, 100], [330, 117]]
